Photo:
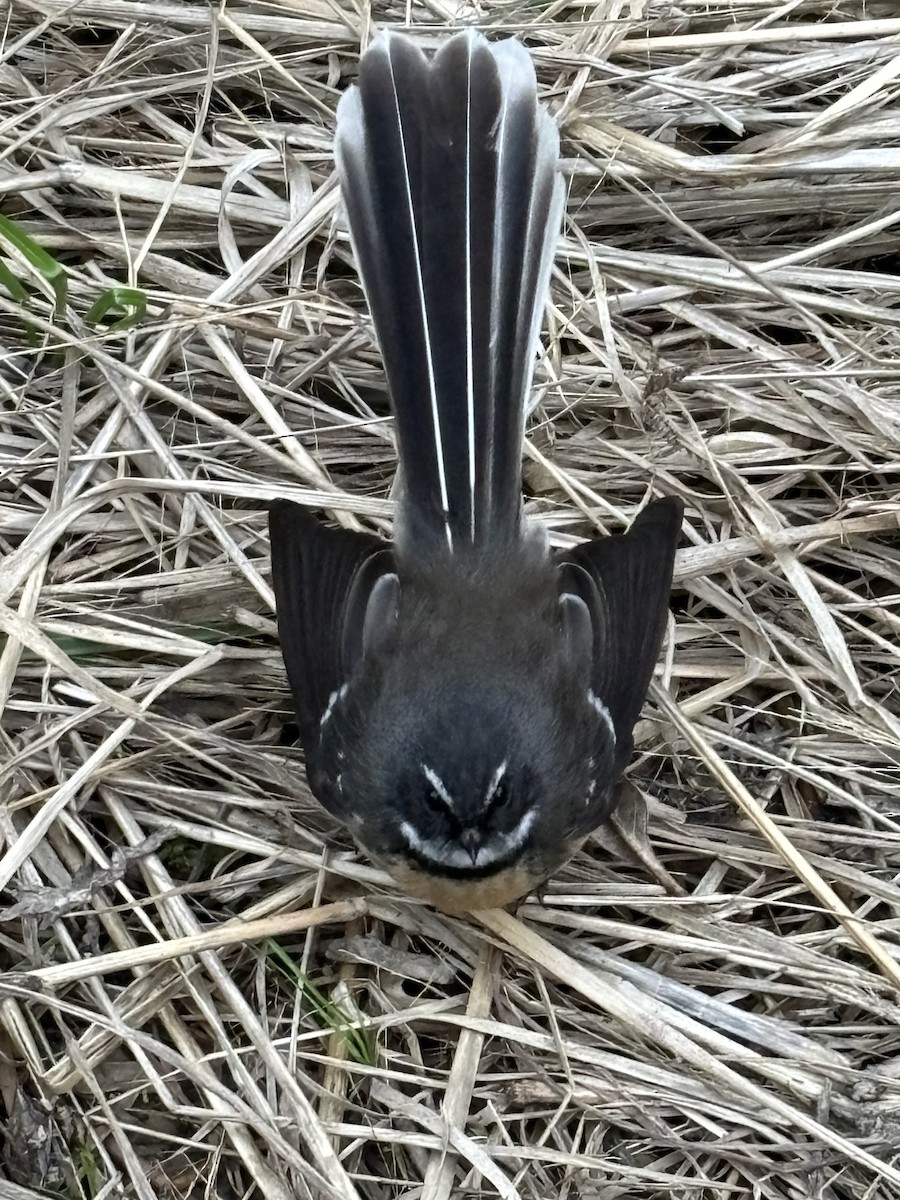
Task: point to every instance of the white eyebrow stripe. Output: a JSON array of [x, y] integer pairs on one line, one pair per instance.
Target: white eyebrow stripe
[[603, 712], [438, 784], [496, 779], [443, 853]]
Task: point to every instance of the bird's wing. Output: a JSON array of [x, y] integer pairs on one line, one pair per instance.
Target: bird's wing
[[625, 580], [323, 579]]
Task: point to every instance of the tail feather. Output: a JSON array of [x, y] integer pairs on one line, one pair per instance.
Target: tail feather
[[449, 173]]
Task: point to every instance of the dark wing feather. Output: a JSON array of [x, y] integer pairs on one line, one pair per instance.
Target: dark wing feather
[[630, 578], [322, 579]]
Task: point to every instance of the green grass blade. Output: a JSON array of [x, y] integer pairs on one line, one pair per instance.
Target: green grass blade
[[37, 258]]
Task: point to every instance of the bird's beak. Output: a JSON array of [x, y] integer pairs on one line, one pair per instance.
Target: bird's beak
[[470, 841]]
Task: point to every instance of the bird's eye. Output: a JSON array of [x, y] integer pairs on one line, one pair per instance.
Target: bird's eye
[[499, 797], [434, 801]]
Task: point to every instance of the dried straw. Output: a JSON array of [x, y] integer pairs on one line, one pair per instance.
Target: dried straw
[[205, 990]]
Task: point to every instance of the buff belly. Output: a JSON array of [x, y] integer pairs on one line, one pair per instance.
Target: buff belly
[[466, 895]]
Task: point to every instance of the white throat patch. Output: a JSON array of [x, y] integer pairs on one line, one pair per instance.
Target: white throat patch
[[444, 852]]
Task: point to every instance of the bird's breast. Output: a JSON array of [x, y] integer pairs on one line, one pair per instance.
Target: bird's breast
[[455, 895]]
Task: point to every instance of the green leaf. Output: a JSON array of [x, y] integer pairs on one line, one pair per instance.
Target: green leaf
[[16, 289], [38, 258], [361, 1044], [131, 302], [19, 293]]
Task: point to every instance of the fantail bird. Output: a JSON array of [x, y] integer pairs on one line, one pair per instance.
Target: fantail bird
[[465, 695]]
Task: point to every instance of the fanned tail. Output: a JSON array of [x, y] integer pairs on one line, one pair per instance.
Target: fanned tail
[[449, 173]]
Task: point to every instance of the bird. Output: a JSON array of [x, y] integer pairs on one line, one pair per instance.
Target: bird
[[465, 693]]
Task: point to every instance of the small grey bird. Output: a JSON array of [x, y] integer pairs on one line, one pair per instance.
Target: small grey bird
[[465, 695]]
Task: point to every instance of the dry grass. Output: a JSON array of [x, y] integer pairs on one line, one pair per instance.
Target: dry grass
[[706, 1004]]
